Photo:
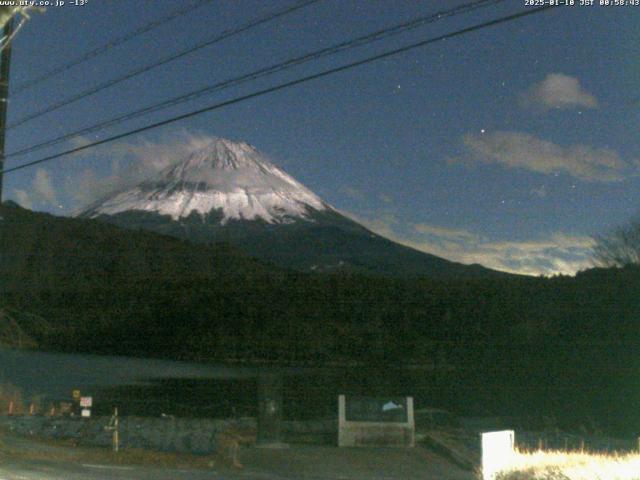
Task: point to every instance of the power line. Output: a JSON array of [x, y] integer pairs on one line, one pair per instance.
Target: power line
[[294, 62], [108, 46], [110, 83], [284, 85]]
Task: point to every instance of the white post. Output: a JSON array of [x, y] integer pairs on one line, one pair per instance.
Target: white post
[[116, 440], [411, 421], [497, 452], [341, 420]]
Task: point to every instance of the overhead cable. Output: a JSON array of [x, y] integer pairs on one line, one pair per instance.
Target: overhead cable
[[287, 84]]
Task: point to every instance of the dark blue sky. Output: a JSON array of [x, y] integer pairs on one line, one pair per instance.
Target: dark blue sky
[[508, 146]]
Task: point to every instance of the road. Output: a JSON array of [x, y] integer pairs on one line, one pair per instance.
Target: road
[[48, 470], [25, 458], [318, 469]]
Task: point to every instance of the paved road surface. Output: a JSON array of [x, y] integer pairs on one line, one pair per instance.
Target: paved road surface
[[28, 459], [45, 470], [307, 463]]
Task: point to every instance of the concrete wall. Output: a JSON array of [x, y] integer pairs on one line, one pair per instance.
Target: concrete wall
[[185, 435]]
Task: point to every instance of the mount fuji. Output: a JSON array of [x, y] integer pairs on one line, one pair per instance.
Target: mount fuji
[[229, 192]]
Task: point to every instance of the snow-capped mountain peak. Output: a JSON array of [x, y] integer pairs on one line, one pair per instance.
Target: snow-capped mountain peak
[[225, 176]]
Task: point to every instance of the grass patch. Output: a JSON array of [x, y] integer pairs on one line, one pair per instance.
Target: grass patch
[[560, 465]]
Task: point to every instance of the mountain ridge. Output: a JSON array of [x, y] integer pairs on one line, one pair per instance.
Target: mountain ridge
[[229, 191]]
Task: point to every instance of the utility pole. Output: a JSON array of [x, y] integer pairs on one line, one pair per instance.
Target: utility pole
[[5, 63]]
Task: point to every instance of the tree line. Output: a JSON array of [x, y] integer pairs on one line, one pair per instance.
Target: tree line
[[564, 344]]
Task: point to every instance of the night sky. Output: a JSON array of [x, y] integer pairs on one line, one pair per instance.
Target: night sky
[[510, 146]]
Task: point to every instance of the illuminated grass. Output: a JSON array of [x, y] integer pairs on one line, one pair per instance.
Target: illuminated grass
[[559, 465]]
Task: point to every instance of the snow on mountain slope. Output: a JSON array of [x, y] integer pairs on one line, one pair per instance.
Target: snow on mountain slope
[[232, 177]]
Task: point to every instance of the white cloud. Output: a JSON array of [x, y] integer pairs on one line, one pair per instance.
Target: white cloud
[[551, 254], [558, 91], [555, 253], [23, 199], [43, 187], [444, 232], [353, 193], [384, 223], [130, 164], [151, 157], [78, 142], [525, 151], [85, 187]]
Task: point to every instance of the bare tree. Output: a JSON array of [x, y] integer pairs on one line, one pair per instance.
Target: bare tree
[[620, 247]]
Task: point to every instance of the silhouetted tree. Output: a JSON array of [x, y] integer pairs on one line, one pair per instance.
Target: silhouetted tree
[[620, 247]]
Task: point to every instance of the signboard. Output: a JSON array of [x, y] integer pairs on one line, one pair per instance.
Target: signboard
[[376, 409], [497, 452], [86, 402], [86, 413], [375, 421], [76, 395]]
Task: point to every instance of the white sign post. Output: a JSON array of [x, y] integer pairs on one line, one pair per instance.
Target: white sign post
[[86, 404], [497, 452]]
